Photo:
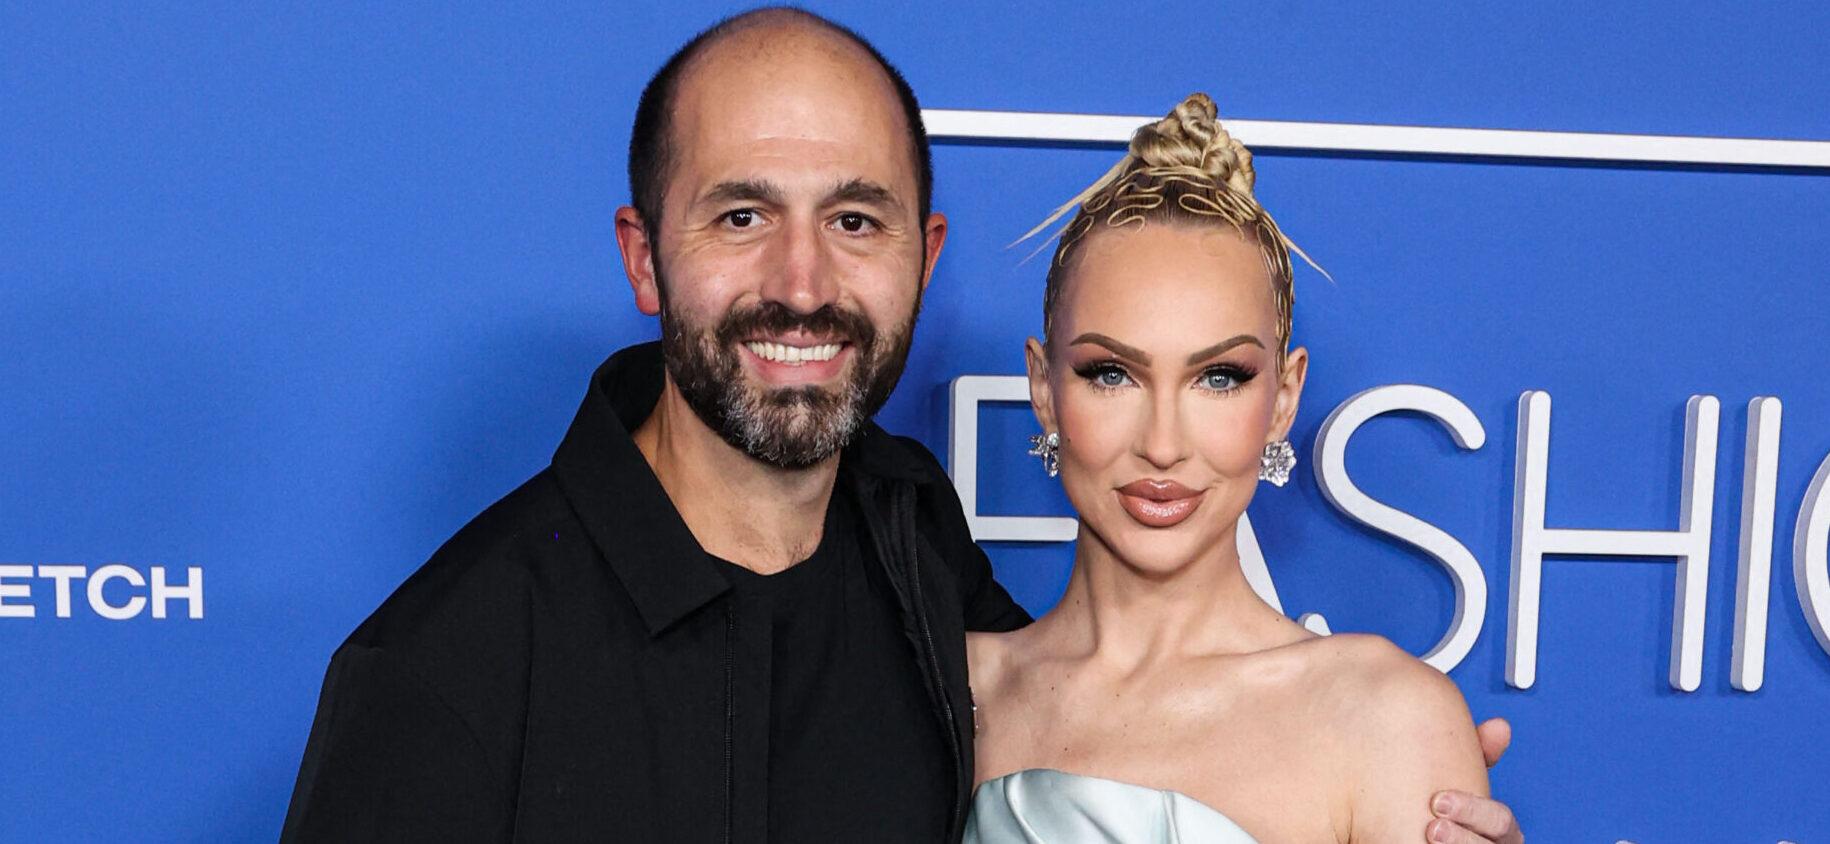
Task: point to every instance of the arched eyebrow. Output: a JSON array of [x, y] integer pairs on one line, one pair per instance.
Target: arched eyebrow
[[1139, 355], [1216, 349], [1122, 350]]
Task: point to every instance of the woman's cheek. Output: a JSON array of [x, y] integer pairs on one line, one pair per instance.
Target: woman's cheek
[[1233, 436], [1093, 427], [1093, 444]]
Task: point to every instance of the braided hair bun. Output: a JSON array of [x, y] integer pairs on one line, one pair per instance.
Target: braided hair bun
[[1184, 169], [1192, 137]]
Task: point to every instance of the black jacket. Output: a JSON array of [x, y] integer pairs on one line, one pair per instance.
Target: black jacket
[[567, 667]]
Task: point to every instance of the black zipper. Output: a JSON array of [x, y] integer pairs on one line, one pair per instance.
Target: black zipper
[[940, 686], [730, 709], [897, 538]]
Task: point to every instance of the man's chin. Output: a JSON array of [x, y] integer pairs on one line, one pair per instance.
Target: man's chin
[[801, 444]]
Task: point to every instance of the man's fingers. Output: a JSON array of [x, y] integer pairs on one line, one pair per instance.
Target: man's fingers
[[1488, 819], [1446, 832], [1495, 735]]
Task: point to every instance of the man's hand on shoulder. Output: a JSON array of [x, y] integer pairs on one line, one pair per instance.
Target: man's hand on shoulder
[[1463, 818]]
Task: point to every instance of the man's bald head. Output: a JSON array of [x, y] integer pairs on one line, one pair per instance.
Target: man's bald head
[[650, 144]]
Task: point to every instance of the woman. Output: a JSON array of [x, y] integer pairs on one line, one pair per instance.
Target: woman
[[1162, 699]]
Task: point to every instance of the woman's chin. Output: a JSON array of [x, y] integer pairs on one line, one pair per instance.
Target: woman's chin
[[1157, 552]]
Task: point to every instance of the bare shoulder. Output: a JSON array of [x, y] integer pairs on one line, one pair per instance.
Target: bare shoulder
[[1402, 732], [1397, 730], [1384, 690]]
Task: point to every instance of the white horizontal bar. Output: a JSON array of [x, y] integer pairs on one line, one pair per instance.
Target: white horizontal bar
[[958, 124], [1610, 543], [1023, 528]]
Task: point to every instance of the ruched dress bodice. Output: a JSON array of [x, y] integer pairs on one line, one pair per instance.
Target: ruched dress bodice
[[1041, 806]]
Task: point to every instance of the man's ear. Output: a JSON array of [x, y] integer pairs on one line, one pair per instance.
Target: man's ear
[[1289, 392], [632, 238], [1041, 395], [934, 235]]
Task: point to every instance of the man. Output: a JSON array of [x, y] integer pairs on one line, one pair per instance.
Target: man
[[732, 609]]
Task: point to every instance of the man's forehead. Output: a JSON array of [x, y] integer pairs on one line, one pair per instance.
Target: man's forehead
[[767, 36], [785, 62], [814, 104]]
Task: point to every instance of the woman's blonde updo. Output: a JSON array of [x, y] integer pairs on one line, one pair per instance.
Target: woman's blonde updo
[[1192, 138], [1184, 169]]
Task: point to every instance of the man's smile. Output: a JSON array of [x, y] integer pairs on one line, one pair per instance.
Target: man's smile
[[790, 354], [800, 363]]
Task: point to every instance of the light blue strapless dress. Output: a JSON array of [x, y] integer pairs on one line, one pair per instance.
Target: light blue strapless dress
[[1041, 806]]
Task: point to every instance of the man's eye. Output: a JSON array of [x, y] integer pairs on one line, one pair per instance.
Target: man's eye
[[742, 218], [854, 223]]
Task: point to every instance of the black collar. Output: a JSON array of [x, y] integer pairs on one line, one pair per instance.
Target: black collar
[[623, 507]]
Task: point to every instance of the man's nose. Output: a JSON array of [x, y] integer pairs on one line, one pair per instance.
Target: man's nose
[[803, 278]]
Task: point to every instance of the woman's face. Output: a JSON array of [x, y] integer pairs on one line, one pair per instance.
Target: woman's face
[[1161, 376]]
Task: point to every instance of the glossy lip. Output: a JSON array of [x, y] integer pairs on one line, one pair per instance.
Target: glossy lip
[[1159, 503], [795, 374]]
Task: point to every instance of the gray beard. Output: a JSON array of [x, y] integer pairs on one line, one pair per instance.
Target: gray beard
[[790, 427]]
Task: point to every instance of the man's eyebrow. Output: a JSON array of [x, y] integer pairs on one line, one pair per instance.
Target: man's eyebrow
[[1116, 347], [864, 192], [1222, 346], [744, 190]]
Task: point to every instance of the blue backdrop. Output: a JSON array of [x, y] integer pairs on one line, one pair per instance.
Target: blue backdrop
[[287, 294]]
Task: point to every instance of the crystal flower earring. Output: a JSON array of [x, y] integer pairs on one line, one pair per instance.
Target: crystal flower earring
[[1275, 463], [1048, 447]]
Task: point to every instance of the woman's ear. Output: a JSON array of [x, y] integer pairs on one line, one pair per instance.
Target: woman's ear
[[1289, 392], [1041, 395]]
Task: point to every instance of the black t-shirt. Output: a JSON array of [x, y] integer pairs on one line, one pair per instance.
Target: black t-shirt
[[856, 752]]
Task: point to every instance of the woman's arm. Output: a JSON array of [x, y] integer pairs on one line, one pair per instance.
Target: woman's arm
[[1415, 738], [1466, 819]]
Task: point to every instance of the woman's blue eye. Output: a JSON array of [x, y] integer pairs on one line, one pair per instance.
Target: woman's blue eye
[[1218, 380], [1104, 376], [1224, 379]]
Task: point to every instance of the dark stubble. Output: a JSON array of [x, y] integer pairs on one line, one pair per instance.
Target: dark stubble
[[787, 427]]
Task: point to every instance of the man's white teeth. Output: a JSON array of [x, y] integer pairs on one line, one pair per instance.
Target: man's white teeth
[[780, 353]]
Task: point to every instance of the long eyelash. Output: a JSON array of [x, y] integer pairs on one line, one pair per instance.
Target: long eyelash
[[1091, 371], [1241, 375]]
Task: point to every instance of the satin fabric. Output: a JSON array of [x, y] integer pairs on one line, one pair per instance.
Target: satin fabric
[[1041, 806]]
